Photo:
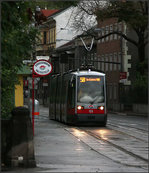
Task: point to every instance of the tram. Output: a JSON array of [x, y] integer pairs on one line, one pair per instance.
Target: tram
[[78, 97]]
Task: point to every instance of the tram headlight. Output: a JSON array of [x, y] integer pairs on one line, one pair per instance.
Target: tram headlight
[[80, 107], [101, 108]]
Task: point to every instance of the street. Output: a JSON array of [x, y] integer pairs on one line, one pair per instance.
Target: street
[[122, 146]]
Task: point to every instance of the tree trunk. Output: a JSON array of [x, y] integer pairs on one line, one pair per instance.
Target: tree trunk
[[141, 53], [141, 48]]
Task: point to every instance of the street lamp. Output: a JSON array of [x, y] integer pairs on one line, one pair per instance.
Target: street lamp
[[37, 8]]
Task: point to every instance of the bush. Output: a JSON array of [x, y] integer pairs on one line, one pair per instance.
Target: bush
[[140, 89]]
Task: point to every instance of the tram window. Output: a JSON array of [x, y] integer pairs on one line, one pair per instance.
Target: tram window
[[90, 89], [71, 94]]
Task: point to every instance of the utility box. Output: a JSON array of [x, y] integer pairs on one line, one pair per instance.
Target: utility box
[[21, 153]]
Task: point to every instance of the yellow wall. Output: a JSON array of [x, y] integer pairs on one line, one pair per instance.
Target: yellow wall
[[19, 92]]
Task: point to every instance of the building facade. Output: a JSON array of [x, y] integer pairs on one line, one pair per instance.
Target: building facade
[[115, 61], [112, 54], [54, 32]]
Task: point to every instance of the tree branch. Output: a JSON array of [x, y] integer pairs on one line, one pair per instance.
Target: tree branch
[[120, 34], [111, 33]]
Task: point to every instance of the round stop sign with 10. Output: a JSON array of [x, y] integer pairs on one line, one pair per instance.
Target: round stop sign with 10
[[42, 67]]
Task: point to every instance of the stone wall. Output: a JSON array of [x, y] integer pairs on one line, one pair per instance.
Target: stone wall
[[17, 140], [140, 108]]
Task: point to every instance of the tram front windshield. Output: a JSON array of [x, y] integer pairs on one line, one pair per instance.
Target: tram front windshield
[[90, 89]]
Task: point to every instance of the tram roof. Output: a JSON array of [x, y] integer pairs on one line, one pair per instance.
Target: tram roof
[[88, 72]]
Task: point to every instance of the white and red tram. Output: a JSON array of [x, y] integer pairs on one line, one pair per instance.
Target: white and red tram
[[78, 97]]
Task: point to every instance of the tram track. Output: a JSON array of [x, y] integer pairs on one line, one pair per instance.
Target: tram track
[[129, 126], [121, 129], [116, 146], [108, 149]]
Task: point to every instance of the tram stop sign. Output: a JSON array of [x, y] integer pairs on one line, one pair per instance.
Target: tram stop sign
[[123, 75], [42, 67]]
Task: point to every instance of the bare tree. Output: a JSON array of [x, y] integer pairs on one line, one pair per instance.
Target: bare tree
[[84, 17], [134, 14]]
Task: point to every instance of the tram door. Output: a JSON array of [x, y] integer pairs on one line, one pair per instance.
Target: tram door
[[71, 100]]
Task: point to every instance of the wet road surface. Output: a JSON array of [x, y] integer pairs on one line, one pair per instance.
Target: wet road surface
[[122, 146]]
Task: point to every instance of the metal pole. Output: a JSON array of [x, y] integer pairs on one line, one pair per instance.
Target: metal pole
[[33, 102]]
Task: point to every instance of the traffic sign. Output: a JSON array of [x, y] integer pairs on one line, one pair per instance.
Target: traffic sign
[[123, 75], [42, 58], [42, 67]]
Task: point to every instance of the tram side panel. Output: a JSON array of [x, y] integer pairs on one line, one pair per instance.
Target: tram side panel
[[58, 98], [71, 104], [64, 90], [53, 90], [67, 99], [51, 98]]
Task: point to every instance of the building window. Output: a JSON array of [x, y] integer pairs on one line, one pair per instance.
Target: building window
[[99, 63], [106, 64], [92, 57], [102, 62], [103, 33], [44, 37], [54, 34], [115, 60], [111, 62], [119, 60], [50, 35], [99, 41], [99, 35], [110, 91], [115, 92], [95, 56], [111, 29], [119, 28], [107, 32], [115, 29], [40, 38]]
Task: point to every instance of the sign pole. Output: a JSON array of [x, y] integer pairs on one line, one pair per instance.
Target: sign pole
[[33, 102], [40, 68]]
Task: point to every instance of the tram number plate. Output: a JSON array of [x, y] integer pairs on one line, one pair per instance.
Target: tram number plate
[[91, 117]]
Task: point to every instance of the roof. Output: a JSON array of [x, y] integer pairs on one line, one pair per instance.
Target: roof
[[67, 45], [48, 13], [59, 12], [24, 70]]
